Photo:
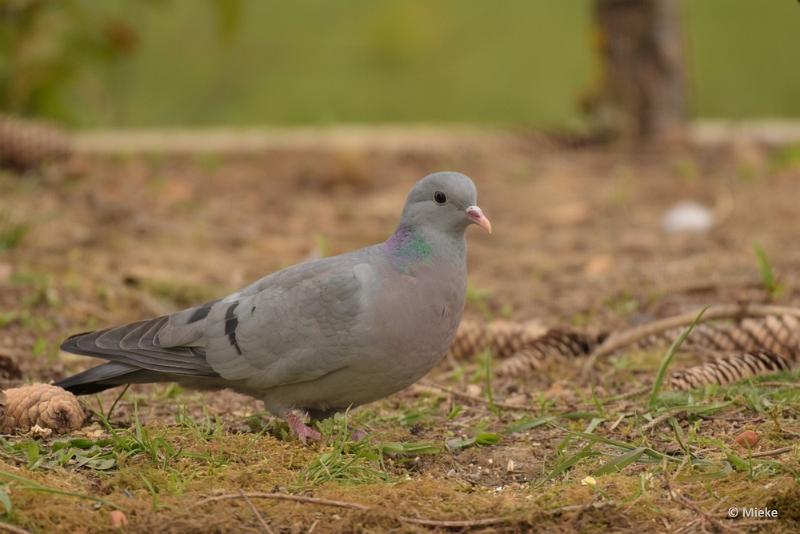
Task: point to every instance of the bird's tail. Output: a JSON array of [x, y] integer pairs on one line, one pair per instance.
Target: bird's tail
[[135, 356], [108, 375]]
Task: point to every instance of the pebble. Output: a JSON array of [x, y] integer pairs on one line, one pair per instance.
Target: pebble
[[687, 217]]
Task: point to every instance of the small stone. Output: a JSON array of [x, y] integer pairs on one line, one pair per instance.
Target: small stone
[[687, 217], [598, 265], [474, 390], [118, 519], [518, 399], [40, 432], [748, 439]]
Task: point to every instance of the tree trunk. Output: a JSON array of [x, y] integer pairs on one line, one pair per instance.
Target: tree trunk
[[643, 86]]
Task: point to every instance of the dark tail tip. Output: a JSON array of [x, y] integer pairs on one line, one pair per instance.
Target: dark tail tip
[[96, 379], [71, 343], [83, 389]]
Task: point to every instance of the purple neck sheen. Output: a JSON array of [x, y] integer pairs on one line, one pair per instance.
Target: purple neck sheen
[[406, 247]]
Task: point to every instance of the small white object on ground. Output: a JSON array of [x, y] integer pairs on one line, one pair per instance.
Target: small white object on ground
[[687, 217]]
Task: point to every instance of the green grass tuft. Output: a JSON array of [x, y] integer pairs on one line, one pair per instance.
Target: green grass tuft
[[673, 349], [771, 284]]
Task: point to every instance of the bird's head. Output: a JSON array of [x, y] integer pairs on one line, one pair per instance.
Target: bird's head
[[447, 201]]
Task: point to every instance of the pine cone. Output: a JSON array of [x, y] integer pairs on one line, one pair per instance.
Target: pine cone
[[26, 144], [729, 369], [43, 405]]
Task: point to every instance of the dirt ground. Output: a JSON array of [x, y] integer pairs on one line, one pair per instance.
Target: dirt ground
[[577, 241]]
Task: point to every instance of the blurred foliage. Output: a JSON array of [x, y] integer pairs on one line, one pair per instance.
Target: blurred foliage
[[47, 46], [743, 57], [325, 62], [155, 62], [55, 55]]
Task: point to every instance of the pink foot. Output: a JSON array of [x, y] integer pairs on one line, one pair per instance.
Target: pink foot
[[300, 429], [358, 434]]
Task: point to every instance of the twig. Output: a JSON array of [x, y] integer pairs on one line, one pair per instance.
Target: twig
[[705, 516], [32, 485], [657, 421], [627, 337], [114, 404], [619, 420], [256, 512], [740, 523], [283, 497], [8, 527], [695, 286], [580, 507], [631, 394], [720, 311], [774, 452], [427, 386], [492, 521], [466, 523], [778, 384]]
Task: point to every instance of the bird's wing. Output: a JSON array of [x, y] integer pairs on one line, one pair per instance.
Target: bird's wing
[[291, 326], [294, 326], [137, 345]]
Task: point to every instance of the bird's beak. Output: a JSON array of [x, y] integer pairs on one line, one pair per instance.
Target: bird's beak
[[475, 215]]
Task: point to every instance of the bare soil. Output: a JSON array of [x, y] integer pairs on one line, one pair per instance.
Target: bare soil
[[578, 241]]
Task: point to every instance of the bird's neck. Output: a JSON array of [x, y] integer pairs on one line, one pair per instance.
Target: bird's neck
[[409, 247]]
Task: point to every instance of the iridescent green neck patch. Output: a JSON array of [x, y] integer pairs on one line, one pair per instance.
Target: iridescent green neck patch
[[407, 248]]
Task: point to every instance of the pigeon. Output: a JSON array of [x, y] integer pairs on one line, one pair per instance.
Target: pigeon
[[321, 336]]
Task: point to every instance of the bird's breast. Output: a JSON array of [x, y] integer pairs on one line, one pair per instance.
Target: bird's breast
[[417, 317]]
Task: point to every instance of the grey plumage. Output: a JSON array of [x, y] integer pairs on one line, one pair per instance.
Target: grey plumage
[[319, 336]]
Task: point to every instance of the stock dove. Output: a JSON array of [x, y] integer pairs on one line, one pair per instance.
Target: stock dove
[[317, 337]]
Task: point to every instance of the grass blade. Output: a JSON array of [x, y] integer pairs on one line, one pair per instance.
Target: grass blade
[[765, 270], [569, 462], [595, 438], [36, 486], [527, 424], [662, 369], [618, 463]]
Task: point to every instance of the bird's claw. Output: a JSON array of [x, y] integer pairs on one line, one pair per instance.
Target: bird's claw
[[300, 429], [358, 434], [305, 432]]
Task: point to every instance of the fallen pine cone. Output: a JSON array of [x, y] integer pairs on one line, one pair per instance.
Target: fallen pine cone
[[40, 405], [27, 144]]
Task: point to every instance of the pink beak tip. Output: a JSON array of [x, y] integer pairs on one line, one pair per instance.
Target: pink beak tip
[[476, 215]]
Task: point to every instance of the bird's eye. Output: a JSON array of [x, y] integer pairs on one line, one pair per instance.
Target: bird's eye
[[439, 197]]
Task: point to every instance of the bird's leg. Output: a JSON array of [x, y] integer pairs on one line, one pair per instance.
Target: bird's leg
[[300, 429], [356, 434]]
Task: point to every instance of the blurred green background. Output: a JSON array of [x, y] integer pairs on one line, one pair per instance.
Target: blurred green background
[[243, 62]]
